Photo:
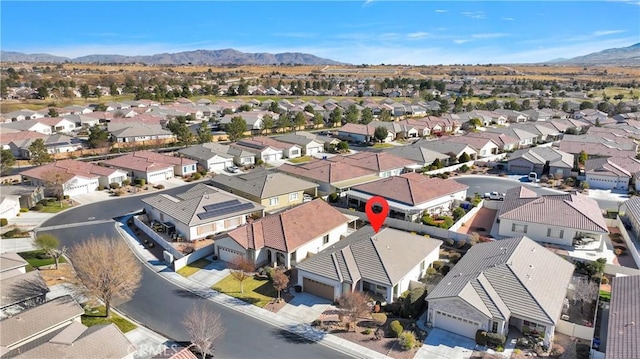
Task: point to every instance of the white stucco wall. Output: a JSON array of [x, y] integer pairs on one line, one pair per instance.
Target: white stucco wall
[[538, 232], [608, 182], [316, 245]]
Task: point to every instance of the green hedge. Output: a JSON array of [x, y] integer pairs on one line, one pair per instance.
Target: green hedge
[[413, 303], [396, 328]]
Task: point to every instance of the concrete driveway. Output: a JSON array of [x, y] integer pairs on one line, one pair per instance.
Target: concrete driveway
[[441, 344]]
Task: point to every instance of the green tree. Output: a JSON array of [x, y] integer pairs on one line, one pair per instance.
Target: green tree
[[283, 122], [437, 164], [366, 116], [39, 153], [336, 116], [343, 146], [458, 213], [385, 115], [98, 137], [204, 133], [318, 120], [299, 120], [267, 123], [475, 122], [97, 92], [586, 105], [52, 112], [50, 245], [42, 92], [236, 128], [352, 114], [7, 160], [181, 131], [85, 92], [526, 105], [583, 157], [542, 104], [113, 89], [464, 157], [380, 133], [554, 104]]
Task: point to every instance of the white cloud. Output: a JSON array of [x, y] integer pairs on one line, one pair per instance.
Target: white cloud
[[607, 32], [441, 11], [507, 18], [461, 41], [298, 35], [491, 35], [418, 35], [474, 14]]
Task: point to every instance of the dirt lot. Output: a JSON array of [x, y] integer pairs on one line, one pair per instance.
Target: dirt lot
[[481, 222], [64, 274]]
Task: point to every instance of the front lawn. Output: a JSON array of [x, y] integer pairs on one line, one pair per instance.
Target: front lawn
[[300, 159], [258, 292], [54, 206], [96, 316], [34, 262], [382, 145], [190, 269]]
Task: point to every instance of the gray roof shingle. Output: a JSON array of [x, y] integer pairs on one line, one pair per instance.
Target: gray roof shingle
[[623, 340], [263, 184]]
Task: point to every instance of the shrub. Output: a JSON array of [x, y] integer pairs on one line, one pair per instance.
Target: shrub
[[269, 272], [454, 257], [604, 280], [3, 222], [126, 182], [379, 318], [24, 210], [66, 196], [114, 185], [619, 250], [450, 242], [333, 198], [160, 186], [481, 337], [366, 331], [100, 188], [396, 328], [616, 237], [259, 162], [445, 269], [141, 182], [437, 264], [500, 349], [196, 176], [38, 207], [407, 340], [413, 303], [461, 243], [557, 350], [496, 339], [431, 271]]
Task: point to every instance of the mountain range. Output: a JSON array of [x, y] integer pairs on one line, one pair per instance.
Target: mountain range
[[197, 57], [618, 56]]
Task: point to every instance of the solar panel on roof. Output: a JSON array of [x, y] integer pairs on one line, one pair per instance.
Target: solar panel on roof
[[225, 210], [215, 206]]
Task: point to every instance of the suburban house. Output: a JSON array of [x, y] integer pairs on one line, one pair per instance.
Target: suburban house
[[28, 196], [505, 143], [452, 149], [21, 115], [616, 173], [20, 289], [74, 177], [411, 195], [139, 132], [201, 211], [285, 238], [308, 145], [54, 330], [525, 138], [382, 264], [562, 219], [354, 132], [385, 164], [273, 190], [484, 146], [632, 213], [623, 337], [544, 131], [153, 167], [254, 119], [512, 282], [209, 157], [418, 154], [545, 161], [45, 125], [267, 149], [9, 206], [332, 177]]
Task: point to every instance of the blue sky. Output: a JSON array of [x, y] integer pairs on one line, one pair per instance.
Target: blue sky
[[371, 32]]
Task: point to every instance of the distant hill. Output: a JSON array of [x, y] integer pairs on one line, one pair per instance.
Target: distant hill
[[197, 57], [619, 56]]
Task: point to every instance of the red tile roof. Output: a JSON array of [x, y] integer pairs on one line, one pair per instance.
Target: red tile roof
[[67, 169], [378, 162], [326, 171], [147, 161]]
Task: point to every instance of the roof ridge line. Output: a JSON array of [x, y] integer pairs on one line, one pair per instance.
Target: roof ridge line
[[527, 288]]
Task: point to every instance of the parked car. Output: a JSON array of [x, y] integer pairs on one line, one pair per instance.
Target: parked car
[[307, 198], [233, 169], [495, 196]]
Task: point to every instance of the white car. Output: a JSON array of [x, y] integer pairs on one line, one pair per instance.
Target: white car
[[495, 196], [233, 169]]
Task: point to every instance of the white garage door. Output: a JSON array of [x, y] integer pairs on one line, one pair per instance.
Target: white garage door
[[456, 324], [268, 158], [157, 177], [75, 190], [228, 255], [313, 151], [220, 166]]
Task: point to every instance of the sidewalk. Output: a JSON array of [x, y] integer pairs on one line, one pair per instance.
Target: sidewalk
[[289, 323]]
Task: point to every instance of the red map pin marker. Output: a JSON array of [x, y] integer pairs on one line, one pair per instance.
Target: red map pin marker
[[377, 210]]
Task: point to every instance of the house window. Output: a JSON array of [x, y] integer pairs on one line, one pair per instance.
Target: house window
[[325, 239], [293, 196], [520, 228], [274, 201], [555, 233], [232, 223], [494, 327], [206, 228]]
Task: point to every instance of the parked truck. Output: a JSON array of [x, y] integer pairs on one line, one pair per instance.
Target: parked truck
[[496, 196]]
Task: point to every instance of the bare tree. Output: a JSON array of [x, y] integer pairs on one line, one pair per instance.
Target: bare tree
[[241, 268], [55, 183], [107, 269], [204, 327], [355, 304], [585, 291], [49, 244], [280, 280]]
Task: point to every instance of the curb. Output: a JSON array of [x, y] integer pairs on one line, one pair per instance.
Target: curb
[[324, 339]]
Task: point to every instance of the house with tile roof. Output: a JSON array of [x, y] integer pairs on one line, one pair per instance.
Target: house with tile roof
[[273, 190], [355, 132], [208, 157], [201, 211], [287, 237], [382, 264], [410, 196], [332, 177], [418, 154], [631, 209], [153, 167], [484, 147], [20, 290], [75, 177], [309, 145], [615, 173], [507, 283], [385, 164], [560, 219], [623, 336], [452, 149], [138, 132], [541, 160], [268, 149]]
